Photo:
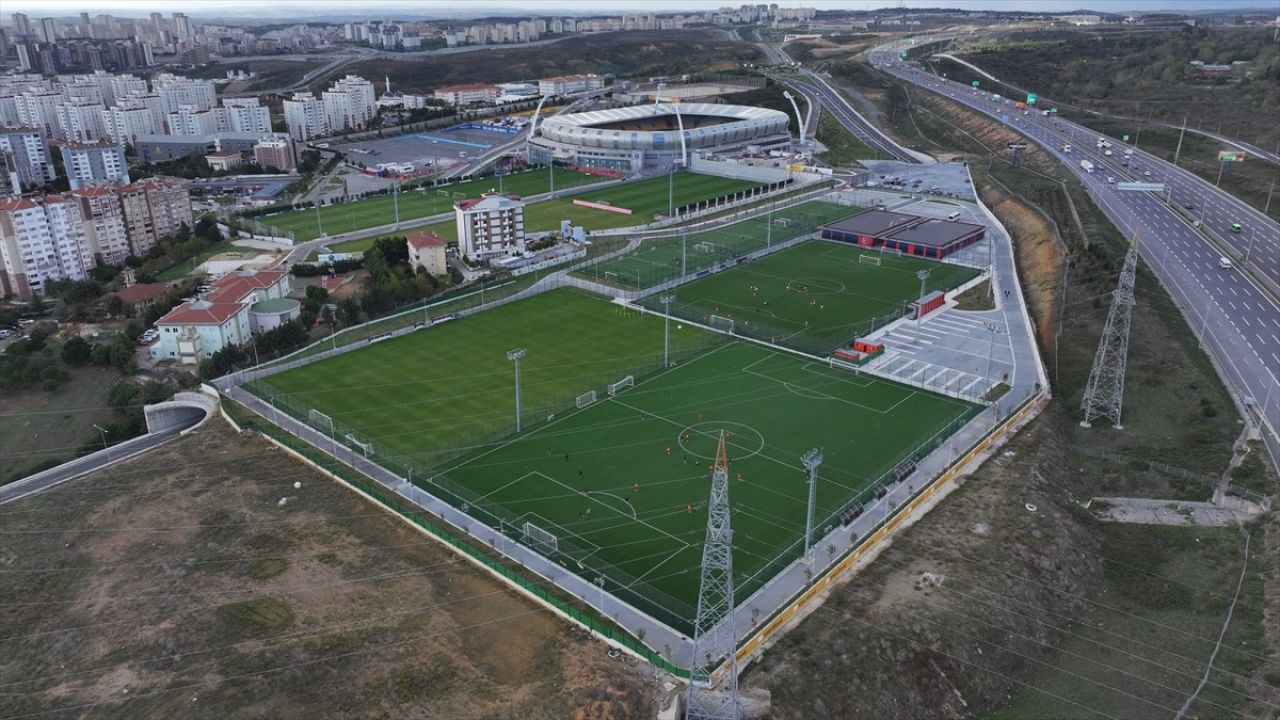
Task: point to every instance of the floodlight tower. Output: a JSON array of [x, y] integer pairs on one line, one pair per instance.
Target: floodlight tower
[[811, 460], [1104, 395], [666, 301], [714, 639], [515, 356]]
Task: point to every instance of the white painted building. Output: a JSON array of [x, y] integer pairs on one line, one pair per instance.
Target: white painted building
[[178, 91], [39, 109], [490, 226], [190, 120], [305, 116], [566, 84], [24, 161], [246, 115], [94, 164], [124, 125], [41, 239], [104, 223], [349, 104], [194, 331], [467, 94]]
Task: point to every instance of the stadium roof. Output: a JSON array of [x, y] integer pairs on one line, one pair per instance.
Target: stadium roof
[[874, 223], [936, 233]]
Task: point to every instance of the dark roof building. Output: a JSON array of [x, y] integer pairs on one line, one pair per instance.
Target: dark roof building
[[868, 227], [934, 238]]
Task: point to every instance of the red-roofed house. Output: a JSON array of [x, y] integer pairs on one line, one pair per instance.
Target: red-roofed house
[[490, 226], [193, 331], [426, 251]]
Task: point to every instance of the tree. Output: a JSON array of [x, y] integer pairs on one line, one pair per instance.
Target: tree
[[76, 351]]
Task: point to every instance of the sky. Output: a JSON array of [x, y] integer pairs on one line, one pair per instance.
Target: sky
[[377, 8]]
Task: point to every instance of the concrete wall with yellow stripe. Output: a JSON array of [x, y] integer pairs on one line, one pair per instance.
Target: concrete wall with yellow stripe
[[813, 597]]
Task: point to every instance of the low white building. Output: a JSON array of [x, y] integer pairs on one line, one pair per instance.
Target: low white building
[[426, 251], [194, 331], [566, 84], [467, 94], [490, 226]]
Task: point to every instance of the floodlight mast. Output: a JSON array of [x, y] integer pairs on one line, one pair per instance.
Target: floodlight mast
[[515, 356]]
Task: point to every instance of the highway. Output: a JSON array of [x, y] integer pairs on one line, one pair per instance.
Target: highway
[[1237, 320], [819, 93]]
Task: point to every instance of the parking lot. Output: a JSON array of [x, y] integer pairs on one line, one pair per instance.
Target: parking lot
[[437, 148], [940, 179]]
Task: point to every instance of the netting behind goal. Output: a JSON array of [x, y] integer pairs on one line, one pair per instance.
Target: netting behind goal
[[626, 382], [869, 260], [320, 421], [538, 537], [586, 398], [706, 247], [721, 323]]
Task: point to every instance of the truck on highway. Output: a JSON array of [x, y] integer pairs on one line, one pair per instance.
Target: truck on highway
[[1020, 105], [1087, 166]]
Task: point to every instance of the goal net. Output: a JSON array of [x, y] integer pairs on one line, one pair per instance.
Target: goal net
[[538, 537], [320, 421], [365, 447], [869, 260], [625, 382], [721, 323], [444, 193], [586, 398], [782, 222], [706, 247], [459, 196]]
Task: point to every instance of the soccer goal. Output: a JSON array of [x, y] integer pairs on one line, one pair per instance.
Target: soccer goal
[[782, 222], [444, 193], [721, 323], [538, 537], [459, 196], [320, 421], [610, 276], [706, 247], [865, 259], [586, 398], [626, 382], [365, 447]]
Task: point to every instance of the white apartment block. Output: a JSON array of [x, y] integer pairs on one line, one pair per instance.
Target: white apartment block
[[9, 110], [490, 226], [569, 84], [124, 125], [190, 120], [304, 114], [349, 104], [80, 121], [125, 85], [41, 240], [179, 91], [39, 109], [94, 164], [467, 94], [24, 156], [105, 229], [246, 115]]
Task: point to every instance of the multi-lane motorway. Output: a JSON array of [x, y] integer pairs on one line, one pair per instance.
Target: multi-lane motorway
[[1237, 319]]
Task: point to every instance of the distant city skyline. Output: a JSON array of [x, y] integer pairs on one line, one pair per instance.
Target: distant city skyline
[[473, 8]]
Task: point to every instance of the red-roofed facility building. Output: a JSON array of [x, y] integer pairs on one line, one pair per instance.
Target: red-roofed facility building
[[490, 226], [195, 330], [468, 94], [426, 251]]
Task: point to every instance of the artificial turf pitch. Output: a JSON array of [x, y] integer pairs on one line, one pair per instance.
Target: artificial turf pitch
[[622, 483], [815, 296]]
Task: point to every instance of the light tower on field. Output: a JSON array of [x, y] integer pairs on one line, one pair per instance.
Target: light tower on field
[[714, 639]]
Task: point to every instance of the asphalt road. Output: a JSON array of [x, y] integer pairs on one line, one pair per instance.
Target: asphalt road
[[80, 466], [1237, 320]]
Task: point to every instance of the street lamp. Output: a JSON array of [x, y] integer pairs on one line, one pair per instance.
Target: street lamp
[[515, 356], [600, 581], [666, 301], [104, 440]]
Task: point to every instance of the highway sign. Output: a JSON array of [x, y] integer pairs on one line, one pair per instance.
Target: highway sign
[[1016, 145], [1230, 156], [974, 83], [1053, 110], [1140, 187], [1031, 98], [1124, 139], [902, 55]]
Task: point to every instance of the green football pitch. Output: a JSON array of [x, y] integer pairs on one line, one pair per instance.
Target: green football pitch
[[661, 259], [622, 483], [815, 296]]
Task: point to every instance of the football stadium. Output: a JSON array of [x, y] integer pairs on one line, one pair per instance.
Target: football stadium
[[632, 138]]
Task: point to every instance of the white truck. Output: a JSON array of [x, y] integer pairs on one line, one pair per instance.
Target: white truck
[[1087, 166]]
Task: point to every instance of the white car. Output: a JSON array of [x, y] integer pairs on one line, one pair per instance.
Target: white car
[[1111, 180], [1224, 263]]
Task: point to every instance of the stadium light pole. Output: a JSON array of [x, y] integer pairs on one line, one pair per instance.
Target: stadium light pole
[[666, 301], [395, 199], [811, 460], [600, 581], [514, 356], [923, 275], [319, 227], [991, 348]]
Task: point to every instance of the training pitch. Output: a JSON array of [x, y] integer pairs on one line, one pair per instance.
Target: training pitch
[[815, 296], [617, 488]]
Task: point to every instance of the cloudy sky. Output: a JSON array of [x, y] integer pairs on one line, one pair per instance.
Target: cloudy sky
[[277, 8]]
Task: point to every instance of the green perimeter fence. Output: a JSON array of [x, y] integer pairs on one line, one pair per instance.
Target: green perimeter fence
[[421, 518], [664, 259]]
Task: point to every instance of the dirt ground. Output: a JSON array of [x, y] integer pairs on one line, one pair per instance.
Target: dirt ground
[[200, 581]]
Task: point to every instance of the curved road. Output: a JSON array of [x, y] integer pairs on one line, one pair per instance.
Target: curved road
[[1237, 321]]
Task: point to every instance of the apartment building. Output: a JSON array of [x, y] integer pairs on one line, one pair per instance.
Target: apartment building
[[305, 116], [41, 239], [25, 163], [490, 226], [94, 164]]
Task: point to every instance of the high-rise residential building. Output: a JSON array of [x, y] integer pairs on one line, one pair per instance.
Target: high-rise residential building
[[39, 109], [123, 125], [276, 152], [246, 115], [181, 26], [94, 164], [154, 208], [304, 114], [24, 154], [80, 121], [105, 229], [122, 85], [349, 104], [179, 91], [41, 239], [490, 226], [48, 30], [22, 25], [192, 121]]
